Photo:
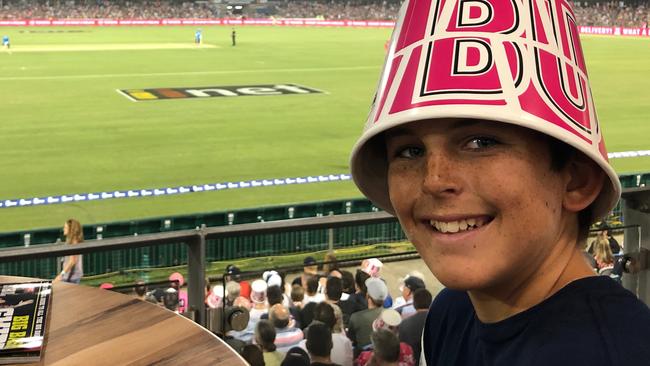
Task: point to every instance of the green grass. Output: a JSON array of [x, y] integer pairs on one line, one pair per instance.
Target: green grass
[[65, 129]]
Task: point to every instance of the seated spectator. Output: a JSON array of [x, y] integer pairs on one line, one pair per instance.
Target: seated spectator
[[341, 346], [311, 291], [319, 344], [410, 330], [310, 268], [274, 296], [347, 279], [170, 300], [330, 264], [215, 298], [297, 296], [360, 327], [253, 355], [386, 350], [603, 254], [287, 335], [333, 290], [176, 282], [296, 357], [389, 320], [140, 290], [265, 338], [357, 301], [411, 284], [258, 297], [232, 292]]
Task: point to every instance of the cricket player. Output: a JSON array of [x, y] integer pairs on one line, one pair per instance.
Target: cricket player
[[5, 42], [483, 140], [198, 37], [233, 36]]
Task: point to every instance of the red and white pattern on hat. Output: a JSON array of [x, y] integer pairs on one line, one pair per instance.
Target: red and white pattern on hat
[[515, 61]]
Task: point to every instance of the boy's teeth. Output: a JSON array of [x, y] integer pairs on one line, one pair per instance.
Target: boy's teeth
[[457, 226]]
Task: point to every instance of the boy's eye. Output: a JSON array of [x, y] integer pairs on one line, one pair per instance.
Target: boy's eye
[[410, 152], [478, 143]]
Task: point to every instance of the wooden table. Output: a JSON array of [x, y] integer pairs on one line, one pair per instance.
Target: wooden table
[[89, 326]]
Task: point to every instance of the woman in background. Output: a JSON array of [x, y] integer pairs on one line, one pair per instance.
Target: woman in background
[[72, 264]]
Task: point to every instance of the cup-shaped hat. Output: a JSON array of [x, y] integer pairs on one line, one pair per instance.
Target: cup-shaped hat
[[510, 61]]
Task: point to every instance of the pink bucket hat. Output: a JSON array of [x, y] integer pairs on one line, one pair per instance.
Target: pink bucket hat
[[507, 61]]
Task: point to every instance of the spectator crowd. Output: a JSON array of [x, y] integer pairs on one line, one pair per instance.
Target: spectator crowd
[[612, 13], [326, 316]]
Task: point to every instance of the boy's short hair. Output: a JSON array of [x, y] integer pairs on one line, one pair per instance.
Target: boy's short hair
[[347, 279], [265, 334]]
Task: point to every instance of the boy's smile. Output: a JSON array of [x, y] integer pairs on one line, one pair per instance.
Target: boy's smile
[[478, 199]]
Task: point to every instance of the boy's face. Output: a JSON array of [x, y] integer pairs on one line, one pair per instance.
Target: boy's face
[[478, 199]]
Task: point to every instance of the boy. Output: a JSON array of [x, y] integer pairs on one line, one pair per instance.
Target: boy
[[483, 141]]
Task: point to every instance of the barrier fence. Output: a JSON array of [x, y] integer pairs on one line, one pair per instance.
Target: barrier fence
[[613, 31]]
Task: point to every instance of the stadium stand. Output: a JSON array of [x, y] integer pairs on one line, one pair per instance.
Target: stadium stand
[[589, 13]]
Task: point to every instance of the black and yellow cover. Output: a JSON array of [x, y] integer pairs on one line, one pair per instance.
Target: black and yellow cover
[[23, 315]]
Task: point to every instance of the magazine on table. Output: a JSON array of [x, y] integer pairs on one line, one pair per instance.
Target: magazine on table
[[23, 316]]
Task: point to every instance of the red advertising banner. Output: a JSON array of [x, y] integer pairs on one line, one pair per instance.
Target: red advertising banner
[[612, 31]]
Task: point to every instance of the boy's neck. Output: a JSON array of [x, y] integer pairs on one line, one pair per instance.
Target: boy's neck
[[565, 265]]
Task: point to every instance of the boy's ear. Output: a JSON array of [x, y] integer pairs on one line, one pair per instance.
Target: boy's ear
[[585, 180]]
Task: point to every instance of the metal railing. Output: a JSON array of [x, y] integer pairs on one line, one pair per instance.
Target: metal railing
[[195, 240]]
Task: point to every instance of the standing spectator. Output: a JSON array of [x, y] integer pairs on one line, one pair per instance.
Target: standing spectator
[[73, 268], [265, 338], [410, 330], [287, 335], [357, 300], [360, 327], [348, 284], [333, 290], [319, 344]]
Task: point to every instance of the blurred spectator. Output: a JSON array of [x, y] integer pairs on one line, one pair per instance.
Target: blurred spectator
[[333, 290], [140, 289], [274, 296], [287, 335], [296, 357], [341, 346], [311, 291], [253, 355], [297, 296], [386, 350], [215, 298], [603, 253], [356, 301], [330, 264], [389, 320], [360, 327], [176, 282], [410, 285], [232, 292], [72, 269], [410, 330], [265, 338], [170, 300], [309, 268], [319, 344], [347, 279]]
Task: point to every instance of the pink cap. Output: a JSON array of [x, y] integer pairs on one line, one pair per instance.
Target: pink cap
[[505, 61], [177, 276]]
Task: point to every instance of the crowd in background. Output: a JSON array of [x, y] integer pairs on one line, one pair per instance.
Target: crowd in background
[[613, 13]]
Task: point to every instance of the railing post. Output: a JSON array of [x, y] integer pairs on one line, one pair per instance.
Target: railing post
[[196, 276]]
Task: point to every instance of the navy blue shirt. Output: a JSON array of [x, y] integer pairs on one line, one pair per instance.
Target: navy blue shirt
[[592, 321]]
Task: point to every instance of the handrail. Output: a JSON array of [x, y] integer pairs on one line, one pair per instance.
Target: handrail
[[195, 241]]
